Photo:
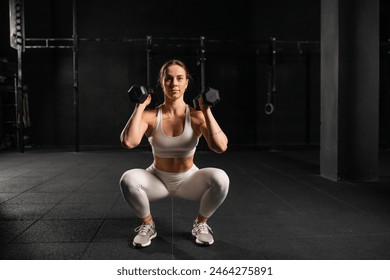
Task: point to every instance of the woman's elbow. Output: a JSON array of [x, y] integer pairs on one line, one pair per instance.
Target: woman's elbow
[[128, 144], [219, 149]]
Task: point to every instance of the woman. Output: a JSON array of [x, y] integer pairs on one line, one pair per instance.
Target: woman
[[173, 130]]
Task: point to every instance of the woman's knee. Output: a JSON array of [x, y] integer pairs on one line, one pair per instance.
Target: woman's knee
[[129, 181], [219, 180]]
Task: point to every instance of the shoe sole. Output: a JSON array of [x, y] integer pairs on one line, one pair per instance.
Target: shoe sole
[[204, 243], [201, 242], [137, 245]]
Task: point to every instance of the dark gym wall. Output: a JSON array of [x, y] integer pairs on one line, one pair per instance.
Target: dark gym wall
[[384, 97], [229, 67], [107, 69]]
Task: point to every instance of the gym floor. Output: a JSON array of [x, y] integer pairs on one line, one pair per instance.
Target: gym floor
[[66, 205]]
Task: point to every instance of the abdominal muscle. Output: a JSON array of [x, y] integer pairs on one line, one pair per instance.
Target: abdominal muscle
[[175, 165]]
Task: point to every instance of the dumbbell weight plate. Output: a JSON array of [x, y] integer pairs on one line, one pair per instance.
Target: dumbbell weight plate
[[210, 97], [138, 94]]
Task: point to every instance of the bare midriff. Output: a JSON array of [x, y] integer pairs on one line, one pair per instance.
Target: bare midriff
[[175, 165]]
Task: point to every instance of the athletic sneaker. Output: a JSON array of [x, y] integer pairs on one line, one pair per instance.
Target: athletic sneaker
[[146, 232], [202, 233]]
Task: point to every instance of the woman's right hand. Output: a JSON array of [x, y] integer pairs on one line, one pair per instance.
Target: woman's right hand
[[147, 101]]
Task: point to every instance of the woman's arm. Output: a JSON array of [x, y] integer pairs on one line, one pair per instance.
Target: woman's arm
[[136, 126], [212, 132]]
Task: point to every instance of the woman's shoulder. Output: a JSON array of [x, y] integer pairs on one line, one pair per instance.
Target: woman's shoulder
[[150, 118], [151, 114], [196, 115], [194, 112]]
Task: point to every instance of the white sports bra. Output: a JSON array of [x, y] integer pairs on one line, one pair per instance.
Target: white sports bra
[[180, 146]]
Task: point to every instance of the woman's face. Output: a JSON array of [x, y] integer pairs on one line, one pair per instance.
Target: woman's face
[[174, 82]]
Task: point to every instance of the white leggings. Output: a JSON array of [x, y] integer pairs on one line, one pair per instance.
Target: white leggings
[[209, 185]]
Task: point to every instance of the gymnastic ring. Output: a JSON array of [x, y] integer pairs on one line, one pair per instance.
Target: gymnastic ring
[[269, 108]]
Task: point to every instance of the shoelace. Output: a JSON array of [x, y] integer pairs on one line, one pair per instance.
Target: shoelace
[[203, 228], [143, 229]]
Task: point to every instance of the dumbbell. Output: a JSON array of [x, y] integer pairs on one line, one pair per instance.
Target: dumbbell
[[138, 93], [210, 97]]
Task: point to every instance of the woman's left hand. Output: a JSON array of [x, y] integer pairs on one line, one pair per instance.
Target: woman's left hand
[[203, 106]]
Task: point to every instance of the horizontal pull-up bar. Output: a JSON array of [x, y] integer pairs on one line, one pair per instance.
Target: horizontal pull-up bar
[[69, 43], [48, 43], [143, 40]]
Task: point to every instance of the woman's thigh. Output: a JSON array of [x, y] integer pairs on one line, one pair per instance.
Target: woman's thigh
[[143, 180], [194, 187]]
